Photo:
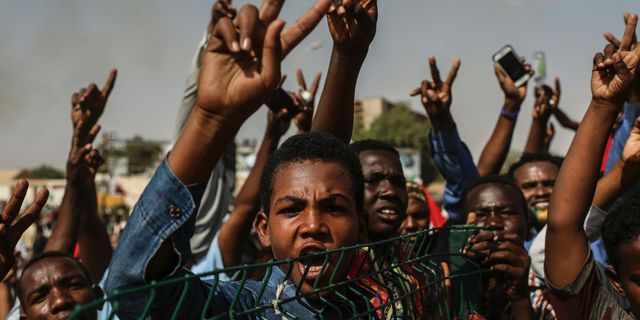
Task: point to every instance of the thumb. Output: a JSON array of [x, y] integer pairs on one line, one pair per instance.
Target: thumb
[[472, 219], [272, 51], [81, 153]]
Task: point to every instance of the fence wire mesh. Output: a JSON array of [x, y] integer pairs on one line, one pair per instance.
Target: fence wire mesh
[[399, 278]]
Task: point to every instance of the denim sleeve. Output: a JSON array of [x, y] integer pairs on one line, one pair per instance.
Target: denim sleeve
[[620, 136], [453, 159], [166, 210]]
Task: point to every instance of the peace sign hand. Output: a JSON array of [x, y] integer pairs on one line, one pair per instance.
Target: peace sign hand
[[88, 103], [436, 96], [10, 234], [614, 71]]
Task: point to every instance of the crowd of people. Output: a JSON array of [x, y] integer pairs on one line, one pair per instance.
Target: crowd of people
[[320, 191]]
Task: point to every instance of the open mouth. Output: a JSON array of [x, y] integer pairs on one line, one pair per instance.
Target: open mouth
[[313, 267], [541, 205]]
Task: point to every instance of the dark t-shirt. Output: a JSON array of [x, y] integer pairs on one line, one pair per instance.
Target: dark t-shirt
[[586, 298]]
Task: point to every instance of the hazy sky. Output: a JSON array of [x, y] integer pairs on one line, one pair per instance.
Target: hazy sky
[[51, 49]]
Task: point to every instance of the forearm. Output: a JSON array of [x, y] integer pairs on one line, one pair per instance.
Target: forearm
[[497, 149], [235, 232], [65, 232], [93, 240], [567, 247], [614, 184], [335, 110], [564, 120], [537, 133]]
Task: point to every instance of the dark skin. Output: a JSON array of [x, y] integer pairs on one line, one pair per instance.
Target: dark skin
[[352, 24], [567, 248], [555, 103], [385, 193], [52, 287], [417, 218], [304, 119], [536, 180], [497, 148], [501, 247], [232, 85], [313, 209], [542, 111], [634, 96], [235, 232]]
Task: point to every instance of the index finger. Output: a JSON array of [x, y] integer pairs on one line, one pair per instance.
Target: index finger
[[612, 39], [435, 74], [295, 33], [270, 10], [301, 82], [453, 73], [557, 91], [32, 213], [12, 209], [629, 32], [316, 82], [106, 90]]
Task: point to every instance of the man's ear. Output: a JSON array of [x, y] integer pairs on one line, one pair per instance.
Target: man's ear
[[363, 227], [99, 294], [614, 280], [262, 228]]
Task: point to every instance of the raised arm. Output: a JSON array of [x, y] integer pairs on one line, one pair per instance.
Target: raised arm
[[612, 77], [559, 114], [497, 148], [542, 111], [634, 96], [307, 99], [624, 174], [235, 232], [451, 156], [352, 24], [232, 85]]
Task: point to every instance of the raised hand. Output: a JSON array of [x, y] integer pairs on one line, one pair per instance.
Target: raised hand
[[222, 8], [88, 103], [436, 96], [352, 23], [513, 95], [635, 94], [83, 160], [10, 234], [279, 122], [543, 108], [614, 71], [235, 80], [306, 98]]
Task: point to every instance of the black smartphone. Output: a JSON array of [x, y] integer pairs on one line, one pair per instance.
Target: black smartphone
[[511, 66], [279, 100]]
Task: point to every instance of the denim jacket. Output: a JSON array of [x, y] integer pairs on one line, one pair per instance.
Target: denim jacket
[[167, 210]]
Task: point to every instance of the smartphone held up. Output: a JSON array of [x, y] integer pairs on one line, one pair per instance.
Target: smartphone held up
[[510, 64], [279, 100]]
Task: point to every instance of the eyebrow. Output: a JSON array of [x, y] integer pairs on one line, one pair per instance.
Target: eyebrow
[[289, 199], [331, 197], [61, 280], [497, 207]]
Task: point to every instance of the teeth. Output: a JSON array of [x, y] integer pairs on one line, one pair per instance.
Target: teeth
[[388, 211], [315, 269], [542, 204]]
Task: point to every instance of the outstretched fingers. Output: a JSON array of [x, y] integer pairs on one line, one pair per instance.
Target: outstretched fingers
[[629, 33], [29, 216], [453, 73], [12, 208], [108, 86], [435, 73], [301, 83], [272, 54], [300, 29]]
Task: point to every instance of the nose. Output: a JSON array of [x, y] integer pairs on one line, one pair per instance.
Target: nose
[[410, 224], [494, 221], [387, 189], [60, 300], [313, 224], [541, 190]]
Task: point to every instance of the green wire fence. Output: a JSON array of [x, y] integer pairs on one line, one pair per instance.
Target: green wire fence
[[399, 278]]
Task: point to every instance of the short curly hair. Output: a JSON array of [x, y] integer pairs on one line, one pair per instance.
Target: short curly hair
[[312, 146], [533, 157], [621, 227], [500, 179], [368, 144]]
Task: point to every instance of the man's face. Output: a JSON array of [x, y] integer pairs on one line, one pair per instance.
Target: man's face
[[417, 218], [313, 209], [497, 207], [385, 193], [536, 180], [629, 274], [53, 287]]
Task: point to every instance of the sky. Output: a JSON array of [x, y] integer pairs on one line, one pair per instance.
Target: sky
[[51, 49]]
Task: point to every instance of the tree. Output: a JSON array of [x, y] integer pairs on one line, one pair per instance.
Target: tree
[[402, 128], [141, 154], [47, 172]]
